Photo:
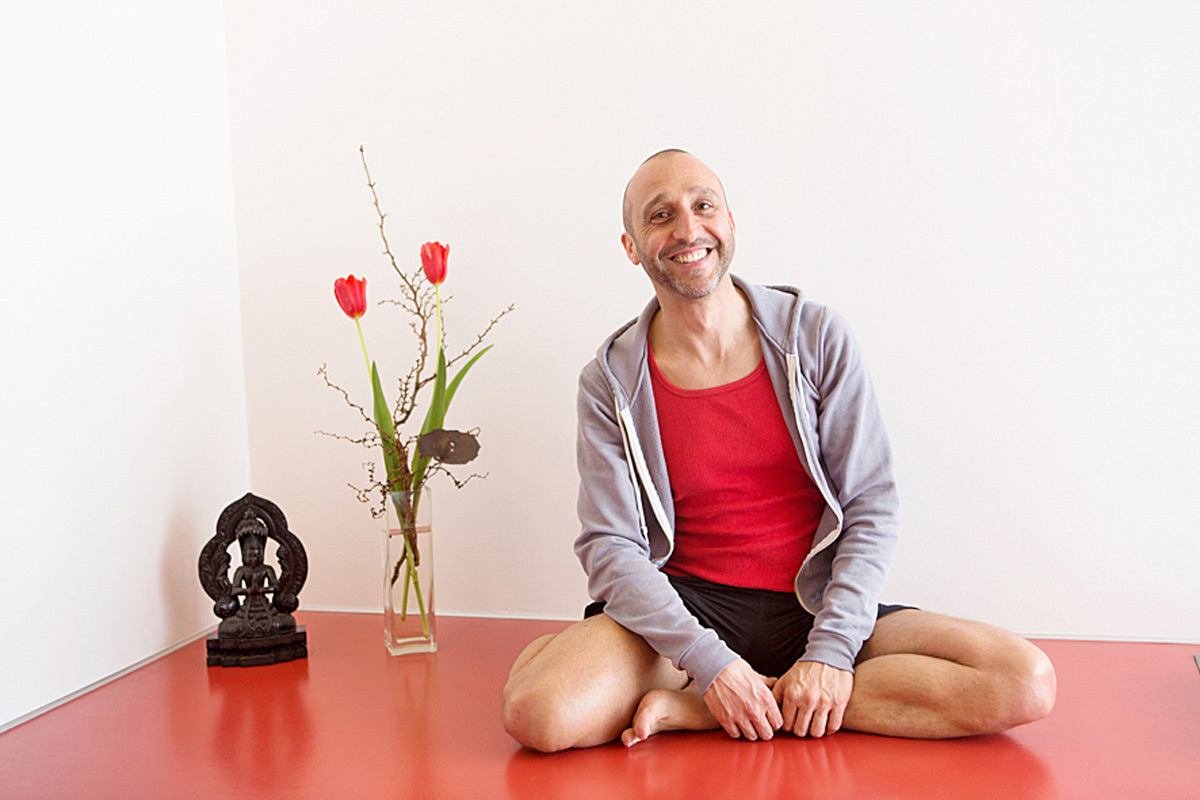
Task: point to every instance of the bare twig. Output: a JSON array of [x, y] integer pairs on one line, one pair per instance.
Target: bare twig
[[324, 373], [418, 298], [479, 339], [369, 440]]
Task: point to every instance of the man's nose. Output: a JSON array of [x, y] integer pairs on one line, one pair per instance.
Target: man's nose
[[687, 226]]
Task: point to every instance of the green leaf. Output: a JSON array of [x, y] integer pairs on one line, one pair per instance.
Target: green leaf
[[439, 393], [387, 429], [453, 387], [435, 417], [439, 404], [420, 465]]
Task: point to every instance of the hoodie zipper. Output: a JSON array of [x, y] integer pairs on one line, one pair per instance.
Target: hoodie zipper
[[639, 470], [802, 426]]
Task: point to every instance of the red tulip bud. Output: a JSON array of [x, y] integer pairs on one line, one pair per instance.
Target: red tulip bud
[[351, 294], [433, 261]]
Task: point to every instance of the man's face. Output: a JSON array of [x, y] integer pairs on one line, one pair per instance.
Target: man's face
[[681, 231]]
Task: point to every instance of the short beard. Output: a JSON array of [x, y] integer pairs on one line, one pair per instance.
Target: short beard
[[660, 275]]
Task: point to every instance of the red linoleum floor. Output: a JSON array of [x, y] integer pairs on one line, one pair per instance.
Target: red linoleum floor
[[352, 722]]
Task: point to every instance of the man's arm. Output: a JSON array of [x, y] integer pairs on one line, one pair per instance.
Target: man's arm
[[614, 551], [857, 457], [858, 461]]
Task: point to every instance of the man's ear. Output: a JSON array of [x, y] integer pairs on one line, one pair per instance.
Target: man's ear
[[630, 248], [732, 225]]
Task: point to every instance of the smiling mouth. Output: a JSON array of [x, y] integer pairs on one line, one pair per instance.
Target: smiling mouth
[[691, 256]]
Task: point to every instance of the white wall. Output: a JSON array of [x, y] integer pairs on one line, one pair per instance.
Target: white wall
[[124, 427], [1001, 197]]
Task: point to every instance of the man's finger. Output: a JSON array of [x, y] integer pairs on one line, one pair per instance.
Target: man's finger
[[791, 712], [774, 717], [789, 717], [817, 727], [801, 708], [835, 718], [802, 728], [766, 728], [787, 709]]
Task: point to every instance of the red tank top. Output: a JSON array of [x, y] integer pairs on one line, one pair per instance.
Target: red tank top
[[745, 508]]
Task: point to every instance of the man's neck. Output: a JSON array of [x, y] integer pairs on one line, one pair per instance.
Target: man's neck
[[706, 342]]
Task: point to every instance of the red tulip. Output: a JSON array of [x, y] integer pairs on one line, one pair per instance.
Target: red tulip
[[433, 261], [351, 294]]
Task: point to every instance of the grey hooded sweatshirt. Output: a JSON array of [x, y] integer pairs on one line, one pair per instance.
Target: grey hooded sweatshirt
[[628, 517]]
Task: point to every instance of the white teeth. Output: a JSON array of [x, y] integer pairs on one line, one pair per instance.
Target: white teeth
[[688, 258]]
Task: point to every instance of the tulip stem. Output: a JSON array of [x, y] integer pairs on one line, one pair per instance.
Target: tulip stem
[[363, 342], [437, 288]]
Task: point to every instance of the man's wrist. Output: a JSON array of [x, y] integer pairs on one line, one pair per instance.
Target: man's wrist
[[833, 653], [705, 670]]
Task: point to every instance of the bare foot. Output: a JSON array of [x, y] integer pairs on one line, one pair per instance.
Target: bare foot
[[666, 710]]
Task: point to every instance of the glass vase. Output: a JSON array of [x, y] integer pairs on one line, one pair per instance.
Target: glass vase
[[408, 613]]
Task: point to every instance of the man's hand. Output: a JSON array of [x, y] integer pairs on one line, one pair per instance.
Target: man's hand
[[813, 698], [740, 700]]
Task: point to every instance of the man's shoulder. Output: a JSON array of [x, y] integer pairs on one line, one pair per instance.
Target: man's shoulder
[[785, 314], [621, 353]]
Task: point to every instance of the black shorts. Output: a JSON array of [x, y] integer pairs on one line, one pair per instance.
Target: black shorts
[[768, 629]]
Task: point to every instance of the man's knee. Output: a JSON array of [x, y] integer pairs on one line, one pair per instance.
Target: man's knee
[[581, 688], [525, 720], [1020, 691], [537, 718], [1038, 686], [529, 713], [538, 699]]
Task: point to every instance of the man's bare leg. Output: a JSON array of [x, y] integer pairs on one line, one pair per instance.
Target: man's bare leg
[[920, 675], [580, 688], [924, 675]]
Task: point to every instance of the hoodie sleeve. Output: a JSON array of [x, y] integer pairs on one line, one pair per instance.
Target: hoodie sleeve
[[613, 544], [857, 458]]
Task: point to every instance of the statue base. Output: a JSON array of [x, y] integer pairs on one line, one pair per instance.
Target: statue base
[[254, 651]]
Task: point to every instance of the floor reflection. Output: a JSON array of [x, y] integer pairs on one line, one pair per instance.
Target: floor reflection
[[255, 723], [846, 765]]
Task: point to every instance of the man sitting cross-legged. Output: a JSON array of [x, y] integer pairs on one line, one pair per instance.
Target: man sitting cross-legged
[[738, 519]]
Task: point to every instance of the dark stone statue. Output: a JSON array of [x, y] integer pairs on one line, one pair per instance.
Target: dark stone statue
[[257, 626]]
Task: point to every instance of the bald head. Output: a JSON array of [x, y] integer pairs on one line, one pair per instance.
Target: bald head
[[669, 153], [678, 227]]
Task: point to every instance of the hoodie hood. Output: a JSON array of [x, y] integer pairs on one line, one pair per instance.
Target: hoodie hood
[[623, 355]]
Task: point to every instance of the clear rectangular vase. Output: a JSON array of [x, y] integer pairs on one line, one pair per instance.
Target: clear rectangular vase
[[408, 615]]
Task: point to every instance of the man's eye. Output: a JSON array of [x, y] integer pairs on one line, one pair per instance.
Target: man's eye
[[659, 215], [704, 206]]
